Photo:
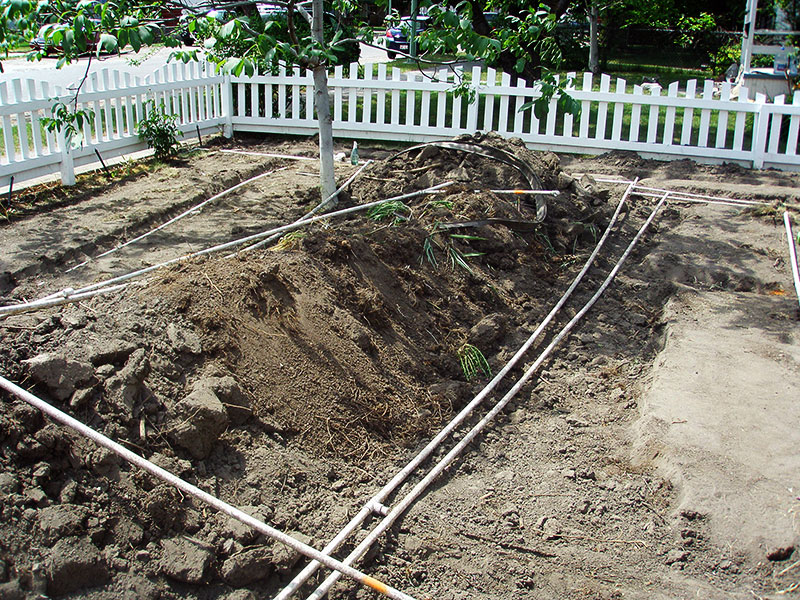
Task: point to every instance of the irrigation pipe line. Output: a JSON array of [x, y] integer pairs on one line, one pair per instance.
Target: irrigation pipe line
[[675, 193], [678, 198], [321, 206], [792, 253], [269, 155], [69, 292], [445, 462], [64, 297], [524, 192], [678, 195], [188, 488], [178, 218], [375, 504]]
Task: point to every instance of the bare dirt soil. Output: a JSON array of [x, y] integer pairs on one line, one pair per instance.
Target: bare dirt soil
[[653, 456]]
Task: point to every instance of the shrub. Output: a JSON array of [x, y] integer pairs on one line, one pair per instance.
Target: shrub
[[160, 130]]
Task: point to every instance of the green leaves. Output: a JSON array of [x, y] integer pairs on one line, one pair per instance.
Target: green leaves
[[550, 87], [229, 29], [159, 130], [68, 122], [473, 362], [107, 43], [394, 210], [237, 66], [14, 9]]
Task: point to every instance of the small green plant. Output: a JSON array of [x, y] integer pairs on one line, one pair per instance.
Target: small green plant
[[439, 203], [428, 253], [393, 210], [69, 122], [456, 256], [467, 237], [289, 241], [544, 240], [473, 362], [159, 130]]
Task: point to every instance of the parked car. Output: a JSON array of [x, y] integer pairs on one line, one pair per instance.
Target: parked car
[[397, 37], [40, 44]]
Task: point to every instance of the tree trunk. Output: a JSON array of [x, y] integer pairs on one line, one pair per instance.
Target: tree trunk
[[594, 59], [322, 103]]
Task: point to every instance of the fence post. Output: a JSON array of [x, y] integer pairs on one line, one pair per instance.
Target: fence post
[[761, 130], [227, 106]]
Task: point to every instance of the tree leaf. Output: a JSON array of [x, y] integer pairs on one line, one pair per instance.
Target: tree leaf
[[146, 34], [227, 30], [134, 39], [108, 43], [237, 70]]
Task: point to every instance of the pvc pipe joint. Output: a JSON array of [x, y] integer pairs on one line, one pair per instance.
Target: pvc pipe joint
[[378, 508]]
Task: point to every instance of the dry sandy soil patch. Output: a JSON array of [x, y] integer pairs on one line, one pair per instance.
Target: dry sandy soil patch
[[654, 455]]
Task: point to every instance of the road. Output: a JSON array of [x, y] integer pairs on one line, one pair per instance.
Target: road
[[138, 64]]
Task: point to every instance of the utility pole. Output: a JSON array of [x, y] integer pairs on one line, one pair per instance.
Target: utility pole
[[594, 18], [412, 39]]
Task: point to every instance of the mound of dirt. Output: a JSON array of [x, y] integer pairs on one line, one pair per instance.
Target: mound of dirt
[[348, 338], [279, 377]]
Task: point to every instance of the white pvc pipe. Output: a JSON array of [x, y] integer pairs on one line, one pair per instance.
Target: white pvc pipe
[[309, 214], [178, 218], [679, 198], [524, 192], [16, 308], [269, 155], [63, 297], [675, 194], [792, 253], [188, 488], [403, 505], [400, 477]]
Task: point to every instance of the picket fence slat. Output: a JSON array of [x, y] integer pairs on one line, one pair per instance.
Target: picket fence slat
[[775, 131], [652, 118], [794, 129], [670, 113], [705, 115]]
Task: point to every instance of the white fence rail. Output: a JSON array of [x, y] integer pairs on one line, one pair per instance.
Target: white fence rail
[[191, 91], [704, 122]]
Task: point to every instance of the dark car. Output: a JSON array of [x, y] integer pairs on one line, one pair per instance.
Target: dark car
[[397, 36], [47, 46]]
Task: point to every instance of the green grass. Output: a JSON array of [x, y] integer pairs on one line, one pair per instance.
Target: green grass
[[473, 362], [14, 48]]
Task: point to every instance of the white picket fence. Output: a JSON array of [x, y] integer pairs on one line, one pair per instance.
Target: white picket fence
[[372, 102], [118, 101], [705, 125]]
